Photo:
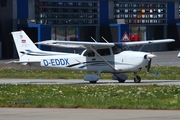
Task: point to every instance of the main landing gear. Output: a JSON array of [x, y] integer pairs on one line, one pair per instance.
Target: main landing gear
[[121, 77], [92, 78]]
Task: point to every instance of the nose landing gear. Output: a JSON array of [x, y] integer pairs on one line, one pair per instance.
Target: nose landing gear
[[137, 79]]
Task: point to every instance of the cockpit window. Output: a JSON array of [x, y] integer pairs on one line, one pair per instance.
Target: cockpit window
[[89, 53], [119, 48], [104, 52]]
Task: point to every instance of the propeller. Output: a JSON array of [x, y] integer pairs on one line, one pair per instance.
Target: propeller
[[149, 57], [150, 60]]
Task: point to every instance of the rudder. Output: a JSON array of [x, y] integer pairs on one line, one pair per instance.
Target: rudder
[[23, 43]]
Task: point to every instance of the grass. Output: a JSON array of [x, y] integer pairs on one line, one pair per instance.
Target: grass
[[90, 96], [156, 73]]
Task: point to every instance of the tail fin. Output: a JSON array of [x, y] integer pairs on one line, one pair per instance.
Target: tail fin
[[23, 43]]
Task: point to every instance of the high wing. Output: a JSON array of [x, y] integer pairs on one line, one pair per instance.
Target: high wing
[[148, 42], [75, 44]]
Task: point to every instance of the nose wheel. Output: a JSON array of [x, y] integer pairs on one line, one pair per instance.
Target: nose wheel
[[137, 79]]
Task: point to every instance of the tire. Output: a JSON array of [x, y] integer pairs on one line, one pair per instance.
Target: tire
[[121, 81], [92, 82], [137, 79]]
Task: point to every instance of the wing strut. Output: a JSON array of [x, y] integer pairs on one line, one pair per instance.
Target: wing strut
[[103, 59], [141, 48], [104, 39]]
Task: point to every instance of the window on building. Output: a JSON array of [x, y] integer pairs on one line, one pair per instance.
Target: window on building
[[64, 33], [141, 13], [71, 13], [137, 33]]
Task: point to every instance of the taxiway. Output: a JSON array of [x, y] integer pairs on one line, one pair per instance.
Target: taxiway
[[80, 81], [86, 114]]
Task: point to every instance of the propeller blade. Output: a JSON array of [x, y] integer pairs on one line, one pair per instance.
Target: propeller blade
[[149, 65]]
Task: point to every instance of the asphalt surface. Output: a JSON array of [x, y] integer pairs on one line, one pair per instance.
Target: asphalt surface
[[167, 58], [80, 81], [86, 114]]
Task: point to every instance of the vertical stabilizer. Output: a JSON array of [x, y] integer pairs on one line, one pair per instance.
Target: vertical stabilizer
[[23, 43]]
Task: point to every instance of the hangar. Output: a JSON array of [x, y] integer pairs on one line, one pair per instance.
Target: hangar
[[78, 20]]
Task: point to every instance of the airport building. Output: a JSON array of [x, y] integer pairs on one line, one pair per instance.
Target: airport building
[[82, 20]]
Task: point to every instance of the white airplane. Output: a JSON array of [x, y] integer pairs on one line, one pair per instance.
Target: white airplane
[[178, 55], [115, 58]]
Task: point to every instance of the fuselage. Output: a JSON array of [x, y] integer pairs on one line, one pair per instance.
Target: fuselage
[[125, 61]]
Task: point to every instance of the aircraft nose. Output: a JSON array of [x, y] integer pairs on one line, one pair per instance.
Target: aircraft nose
[[178, 55], [149, 56]]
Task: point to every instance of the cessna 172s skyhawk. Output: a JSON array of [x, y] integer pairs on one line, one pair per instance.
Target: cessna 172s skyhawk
[[115, 58]]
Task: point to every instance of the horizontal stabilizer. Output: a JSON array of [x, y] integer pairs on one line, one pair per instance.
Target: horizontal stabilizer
[[20, 62]]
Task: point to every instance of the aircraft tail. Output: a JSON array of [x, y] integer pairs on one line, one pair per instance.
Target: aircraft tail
[[23, 44]]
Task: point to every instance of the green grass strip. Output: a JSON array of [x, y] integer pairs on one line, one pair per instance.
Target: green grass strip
[[90, 96]]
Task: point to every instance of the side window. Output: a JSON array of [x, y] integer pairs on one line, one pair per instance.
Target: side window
[[89, 53], [104, 52]]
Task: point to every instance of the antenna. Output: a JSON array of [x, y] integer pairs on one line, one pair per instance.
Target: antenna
[[104, 39], [93, 39]]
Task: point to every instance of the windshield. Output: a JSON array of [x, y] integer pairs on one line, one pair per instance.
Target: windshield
[[119, 47]]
